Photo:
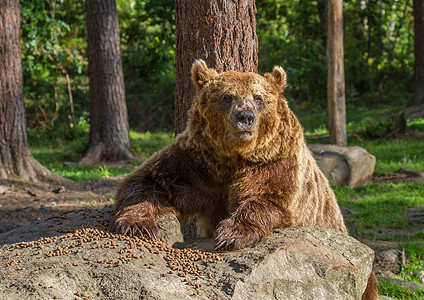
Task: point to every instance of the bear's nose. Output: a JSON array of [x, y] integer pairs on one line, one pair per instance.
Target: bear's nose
[[245, 118]]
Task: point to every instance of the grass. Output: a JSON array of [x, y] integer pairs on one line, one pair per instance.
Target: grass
[[380, 207], [396, 291], [394, 154], [415, 249], [60, 152]]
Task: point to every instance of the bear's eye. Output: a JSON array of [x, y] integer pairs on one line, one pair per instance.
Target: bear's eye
[[226, 101], [258, 101]]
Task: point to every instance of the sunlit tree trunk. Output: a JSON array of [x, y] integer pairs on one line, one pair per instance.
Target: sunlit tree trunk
[[109, 130], [418, 86], [336, 81], [222, 33], [16, 162]]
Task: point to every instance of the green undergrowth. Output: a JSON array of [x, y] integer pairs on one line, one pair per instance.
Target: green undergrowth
[[415, 250], [366, 118], [397, 291], [61, 150]]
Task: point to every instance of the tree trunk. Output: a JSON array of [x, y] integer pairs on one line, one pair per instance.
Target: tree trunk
[[109, 130], [16, 162], [418, 86], [222, 33], [336, 82]]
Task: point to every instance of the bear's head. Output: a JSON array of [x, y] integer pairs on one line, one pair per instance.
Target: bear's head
[[243, 114]]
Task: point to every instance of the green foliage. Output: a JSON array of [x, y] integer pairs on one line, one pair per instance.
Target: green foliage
[[377, 40], [148, 56], [104, 172], [378, 128], [416, 124], [289, 35], [53, 45], [378, 57]]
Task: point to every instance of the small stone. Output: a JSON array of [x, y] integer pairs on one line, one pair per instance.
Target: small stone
[[392, 256], [3, 189], [420, 276]]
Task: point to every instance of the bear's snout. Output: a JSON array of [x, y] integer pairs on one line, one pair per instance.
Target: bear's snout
[[245, 118]]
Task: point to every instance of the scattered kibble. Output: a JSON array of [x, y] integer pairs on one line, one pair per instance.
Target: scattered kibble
[[181, 262]]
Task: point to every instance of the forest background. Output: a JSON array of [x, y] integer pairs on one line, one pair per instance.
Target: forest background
[[379, 59]]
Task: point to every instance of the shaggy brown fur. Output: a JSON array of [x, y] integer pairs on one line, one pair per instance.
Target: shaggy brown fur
[[242, 166]]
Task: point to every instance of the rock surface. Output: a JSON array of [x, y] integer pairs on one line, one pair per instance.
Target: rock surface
[[420, 276], [3, 189], [391, 256], [38, 262], [351, 166], [5, 226]]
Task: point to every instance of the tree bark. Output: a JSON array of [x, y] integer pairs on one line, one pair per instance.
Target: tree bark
[[336, 82], [109, 130], [222, 33], [418, 85], [16, 162]]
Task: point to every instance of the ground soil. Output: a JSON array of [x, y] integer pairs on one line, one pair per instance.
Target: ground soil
[[22, 202]]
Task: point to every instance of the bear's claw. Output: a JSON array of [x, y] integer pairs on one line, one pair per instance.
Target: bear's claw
[[232, 236], [148, 231]]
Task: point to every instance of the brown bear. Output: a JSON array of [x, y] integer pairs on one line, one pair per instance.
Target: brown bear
[[242, 167]]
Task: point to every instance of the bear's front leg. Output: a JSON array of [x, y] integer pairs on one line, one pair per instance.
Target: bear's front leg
[[249, 224]]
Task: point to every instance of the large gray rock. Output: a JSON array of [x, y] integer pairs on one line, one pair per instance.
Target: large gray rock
[[295, 263], [352, 165]]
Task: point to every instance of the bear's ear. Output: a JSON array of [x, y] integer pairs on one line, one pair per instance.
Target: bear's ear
[[201, 74], [278, 77]]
